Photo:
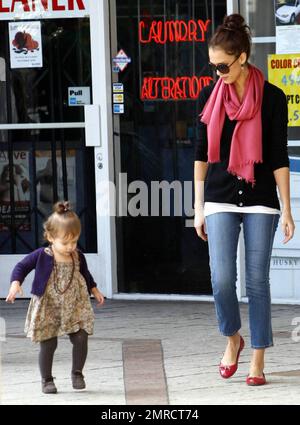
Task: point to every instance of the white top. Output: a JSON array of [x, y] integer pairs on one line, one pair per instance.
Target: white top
[[217, 207]]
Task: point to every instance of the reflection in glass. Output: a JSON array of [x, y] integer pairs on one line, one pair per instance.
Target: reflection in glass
[[42, 93], [41, 168], [167, 44], [260, 16]]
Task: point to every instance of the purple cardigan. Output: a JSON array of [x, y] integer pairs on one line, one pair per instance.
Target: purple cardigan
[[43, 265]]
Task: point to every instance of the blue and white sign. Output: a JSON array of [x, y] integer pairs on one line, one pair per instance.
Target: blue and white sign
[[119, 108], [295, 164], [121, 60], [118, 88], [79, 96]]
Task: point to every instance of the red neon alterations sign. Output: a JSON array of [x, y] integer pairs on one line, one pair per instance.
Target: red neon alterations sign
[[180, 88], [162, 32]]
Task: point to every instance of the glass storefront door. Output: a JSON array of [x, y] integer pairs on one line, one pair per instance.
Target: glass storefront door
[[45, 164], [164, 49], [44, 152], [264, 24]]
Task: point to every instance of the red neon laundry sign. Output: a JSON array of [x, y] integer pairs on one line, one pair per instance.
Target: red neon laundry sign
[[161, 32], [180, 88]]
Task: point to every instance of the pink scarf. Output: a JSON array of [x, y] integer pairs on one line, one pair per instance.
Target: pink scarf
[[246, 146]]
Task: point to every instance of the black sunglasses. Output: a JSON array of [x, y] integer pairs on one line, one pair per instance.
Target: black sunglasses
[[223, 68]]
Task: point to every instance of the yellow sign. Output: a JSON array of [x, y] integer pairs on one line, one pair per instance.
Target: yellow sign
[[118, 98], [284, 72]]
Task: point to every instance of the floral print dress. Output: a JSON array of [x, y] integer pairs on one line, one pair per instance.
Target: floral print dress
[[57, 313]]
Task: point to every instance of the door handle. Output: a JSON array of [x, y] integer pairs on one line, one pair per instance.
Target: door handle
[[92, 115]]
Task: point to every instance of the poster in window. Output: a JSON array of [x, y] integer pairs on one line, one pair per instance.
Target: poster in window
[[45, 182], [21, 190], [287, 15], [284, 72], [25, 44]]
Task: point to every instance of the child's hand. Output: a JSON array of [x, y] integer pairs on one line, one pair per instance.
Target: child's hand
[[98, 296], [15, 288]]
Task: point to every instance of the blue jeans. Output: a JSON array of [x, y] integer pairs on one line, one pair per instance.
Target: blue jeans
[[223, 231]]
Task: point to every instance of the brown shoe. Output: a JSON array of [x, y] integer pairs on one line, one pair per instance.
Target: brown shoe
[[78, 380], [48, 386]]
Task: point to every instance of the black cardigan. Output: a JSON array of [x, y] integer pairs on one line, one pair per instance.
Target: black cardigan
[[221, 186]]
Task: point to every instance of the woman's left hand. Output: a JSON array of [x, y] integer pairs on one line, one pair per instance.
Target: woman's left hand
[[98, 296], [287, 225]]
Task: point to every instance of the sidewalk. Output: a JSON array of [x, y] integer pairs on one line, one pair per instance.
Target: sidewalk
[[151, 352]]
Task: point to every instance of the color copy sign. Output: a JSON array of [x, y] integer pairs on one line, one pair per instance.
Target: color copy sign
[[284, 72]]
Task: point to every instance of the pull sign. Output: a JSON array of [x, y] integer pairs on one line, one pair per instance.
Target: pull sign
[[79, 96]]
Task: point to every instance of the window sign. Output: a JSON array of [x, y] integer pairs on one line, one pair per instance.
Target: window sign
[[284, 72], [21, 188], [167, 87], [287, 14], [118, 108], [118, 98], [44, 179], [179, 88], [118, 88], [162, 32], [25, 44], [79, 96], [121, 60]]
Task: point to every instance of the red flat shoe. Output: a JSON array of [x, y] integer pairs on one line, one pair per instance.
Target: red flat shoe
[[227, 371], [256, 380]]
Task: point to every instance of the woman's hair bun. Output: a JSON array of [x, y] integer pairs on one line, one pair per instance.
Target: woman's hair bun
[[233, 36], [61, 207], [234, 22]]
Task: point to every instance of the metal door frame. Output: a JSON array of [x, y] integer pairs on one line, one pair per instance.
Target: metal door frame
[[102, 264], [232, 6]]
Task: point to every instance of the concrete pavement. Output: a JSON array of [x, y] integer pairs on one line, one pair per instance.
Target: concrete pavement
[[152, 352]]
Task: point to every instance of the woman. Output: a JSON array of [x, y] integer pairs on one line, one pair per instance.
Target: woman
[[242, 158]]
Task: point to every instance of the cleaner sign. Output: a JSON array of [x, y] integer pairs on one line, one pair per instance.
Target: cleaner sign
[[43, 9]]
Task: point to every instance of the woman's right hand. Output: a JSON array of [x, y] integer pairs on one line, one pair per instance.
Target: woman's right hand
[[199, 223], [15, 288]]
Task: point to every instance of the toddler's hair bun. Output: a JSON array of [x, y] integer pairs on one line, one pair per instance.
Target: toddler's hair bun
[[61, 207], [234, 22], [62, 223]]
